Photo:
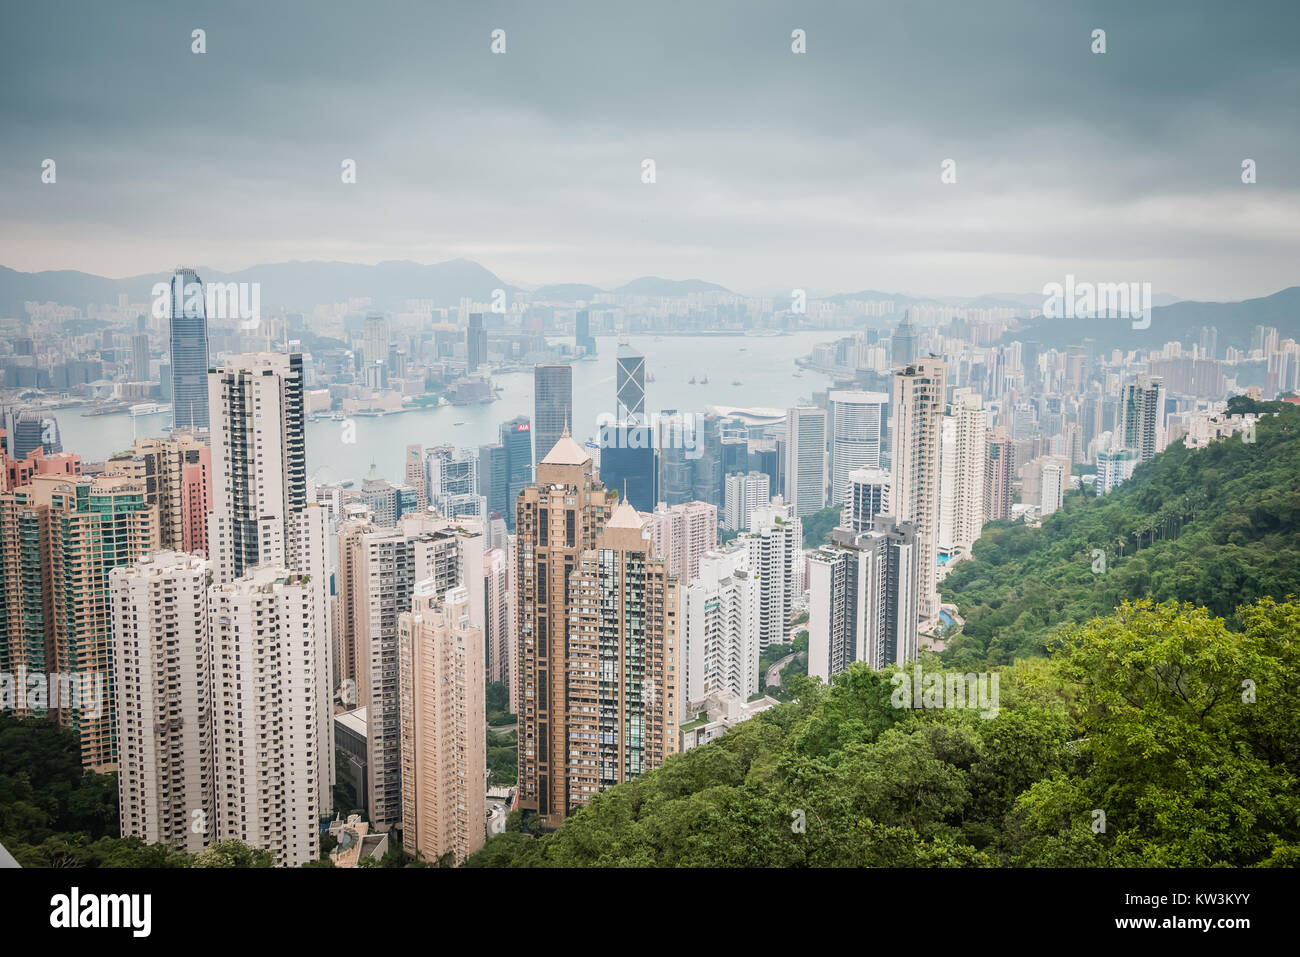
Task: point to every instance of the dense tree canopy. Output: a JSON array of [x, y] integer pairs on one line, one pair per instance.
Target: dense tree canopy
[[1155, 736]]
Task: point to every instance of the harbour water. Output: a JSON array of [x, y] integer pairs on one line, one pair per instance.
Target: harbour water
[[742, 371]]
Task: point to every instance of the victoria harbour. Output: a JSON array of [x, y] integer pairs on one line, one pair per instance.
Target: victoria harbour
[[740, 371]]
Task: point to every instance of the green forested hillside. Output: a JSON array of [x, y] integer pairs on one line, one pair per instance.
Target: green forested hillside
[[1215, 527], [1156, 736]]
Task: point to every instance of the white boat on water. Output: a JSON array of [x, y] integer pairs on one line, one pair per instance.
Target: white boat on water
[[148, 408]]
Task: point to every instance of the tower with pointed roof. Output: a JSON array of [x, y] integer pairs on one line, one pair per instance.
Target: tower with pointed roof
[[556, 521], [597, 629]]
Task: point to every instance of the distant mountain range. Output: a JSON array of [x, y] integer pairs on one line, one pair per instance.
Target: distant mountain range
[[1179, 321], [298, 286]]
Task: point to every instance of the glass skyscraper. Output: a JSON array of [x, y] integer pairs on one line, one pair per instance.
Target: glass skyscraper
[[188, 328]]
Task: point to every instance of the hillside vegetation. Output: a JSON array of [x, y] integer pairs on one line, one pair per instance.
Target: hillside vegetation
[[1215, 527], [1156, 736]]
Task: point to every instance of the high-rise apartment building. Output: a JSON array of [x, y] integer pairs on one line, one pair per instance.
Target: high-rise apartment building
[[188, 347], [720, 625], [443, 727], [1142, 424], [60, 537], [682, 534], [918, 403], [855, 433], [774, 547], [962, 490], [805, 467], [557, 520], [623, 668], [176, 474], [999, 473], [868, 496], [259, 465], [552, 406], [1055, 480], [745, 492], [262, 519], [863, 599], [498, 617], [414, 475], [273, 740], [378, 570], [162, 675]]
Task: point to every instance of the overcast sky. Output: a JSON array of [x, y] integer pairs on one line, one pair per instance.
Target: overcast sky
[[774, 170]]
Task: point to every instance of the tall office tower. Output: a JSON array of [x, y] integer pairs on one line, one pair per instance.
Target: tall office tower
[[765, 456], [188, 331], [32, 429], [856, 419], [745, 492], [622, 669], [863, 593], [720, 621], [999, 473], [552, 406], [259, 463], [676, 471], [706, 469], [162, 675], [375, 352], [805, 463], [902, 344], [774, 546], [498, 628], [272, 742], [517, 437], [914, 482], [629, 382], [627, 463], [492, 479], [683, 534], [453, 482], [965, 473], [1054, 479], [868, 497], [140, 357], [556, 521], [476, 353], [415, 476], [176, 475], [582, 338], [1142, 424], [443, 727]]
